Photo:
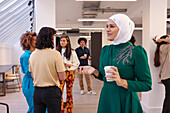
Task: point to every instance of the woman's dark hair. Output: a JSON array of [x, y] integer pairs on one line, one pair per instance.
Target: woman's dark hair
[[45, 38], [26, 40], [57, 41], [157, 56], [132, 40], [80, 39], [67, 53]]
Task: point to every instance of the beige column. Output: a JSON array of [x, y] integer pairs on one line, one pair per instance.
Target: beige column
[[45, 14], [154, 23]]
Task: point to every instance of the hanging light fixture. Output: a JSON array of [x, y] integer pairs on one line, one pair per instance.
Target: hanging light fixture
[[31, 13], [29, 3]]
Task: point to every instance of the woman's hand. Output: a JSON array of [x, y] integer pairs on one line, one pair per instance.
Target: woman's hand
[[68, 65], [86, 70], [89, 57], [160, 40], [116, 77], [83, 57]]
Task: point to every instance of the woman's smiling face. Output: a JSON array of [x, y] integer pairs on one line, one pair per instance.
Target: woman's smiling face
[[112, 30]]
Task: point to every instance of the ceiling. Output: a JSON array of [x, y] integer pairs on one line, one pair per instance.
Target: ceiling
[[14, 20], [69, 11]]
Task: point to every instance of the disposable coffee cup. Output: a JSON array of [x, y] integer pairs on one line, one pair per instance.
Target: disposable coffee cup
[[85, 55], [107, 68]]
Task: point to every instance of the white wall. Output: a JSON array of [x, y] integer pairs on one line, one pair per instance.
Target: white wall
[[151, 19], [45, 11], [10, 54], [17, 52], [74, 40], [6, 54]]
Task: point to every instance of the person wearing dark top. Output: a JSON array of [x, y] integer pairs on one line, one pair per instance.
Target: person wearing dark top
[[132, 40], [83, 54]]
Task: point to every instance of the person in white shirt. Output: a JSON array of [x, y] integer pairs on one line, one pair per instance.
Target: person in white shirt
[[71, 63]]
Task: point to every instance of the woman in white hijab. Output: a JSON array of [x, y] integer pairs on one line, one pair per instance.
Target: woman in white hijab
[[123, 68]]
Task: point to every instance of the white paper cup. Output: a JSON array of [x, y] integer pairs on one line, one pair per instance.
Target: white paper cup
[[85, 55], [107, 68]]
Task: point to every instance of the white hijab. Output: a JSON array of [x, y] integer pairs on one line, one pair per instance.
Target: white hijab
[[126, 27]]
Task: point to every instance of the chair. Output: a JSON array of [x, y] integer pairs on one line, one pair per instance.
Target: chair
[[6, 106], [13, 77]]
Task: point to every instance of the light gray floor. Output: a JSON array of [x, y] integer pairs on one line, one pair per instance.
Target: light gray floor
[[82, 103]]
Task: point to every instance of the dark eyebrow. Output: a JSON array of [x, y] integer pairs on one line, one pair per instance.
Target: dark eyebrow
[[110, 24]]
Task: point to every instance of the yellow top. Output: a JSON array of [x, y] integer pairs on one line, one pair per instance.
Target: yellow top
[[44, 65]]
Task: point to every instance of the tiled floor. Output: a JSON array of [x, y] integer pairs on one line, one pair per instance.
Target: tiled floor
[[82, 103]]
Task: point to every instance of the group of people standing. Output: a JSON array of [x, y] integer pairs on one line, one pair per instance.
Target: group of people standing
[[72, 60], [48, 70], [60, 66]]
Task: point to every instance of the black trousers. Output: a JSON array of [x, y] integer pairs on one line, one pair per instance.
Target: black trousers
[[166, 105], [47, 97]]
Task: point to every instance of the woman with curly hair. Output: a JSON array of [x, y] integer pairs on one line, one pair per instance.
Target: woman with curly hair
[[27, 42]]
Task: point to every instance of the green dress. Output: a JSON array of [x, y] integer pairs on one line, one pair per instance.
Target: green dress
[[132, 64]]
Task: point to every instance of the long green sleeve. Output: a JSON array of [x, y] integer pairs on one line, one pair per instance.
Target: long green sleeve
[[141, 71]]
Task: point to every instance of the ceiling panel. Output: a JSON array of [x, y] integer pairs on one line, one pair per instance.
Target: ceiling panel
[[14, 20], [69, 11]]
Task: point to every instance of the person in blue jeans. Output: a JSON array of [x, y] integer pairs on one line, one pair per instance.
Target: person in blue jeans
[[27, 42]]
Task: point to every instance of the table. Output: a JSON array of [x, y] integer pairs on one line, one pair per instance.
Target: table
[[3, 69]]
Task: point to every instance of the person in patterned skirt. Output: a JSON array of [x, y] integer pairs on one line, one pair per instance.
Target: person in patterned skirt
[[71, 63]]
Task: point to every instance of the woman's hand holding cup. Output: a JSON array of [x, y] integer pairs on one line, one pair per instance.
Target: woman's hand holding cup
[[112, 74]]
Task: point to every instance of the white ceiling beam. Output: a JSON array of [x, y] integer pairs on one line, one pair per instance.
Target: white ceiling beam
[[168, 19], [91, 28], [92, 19], [63, 28]]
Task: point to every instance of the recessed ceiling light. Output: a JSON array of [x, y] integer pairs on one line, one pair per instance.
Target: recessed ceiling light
[[93, 19], [86, 36], [91, 28], [138, 28], [63, 28], [59, 33], [109, 0], [168, 19]]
